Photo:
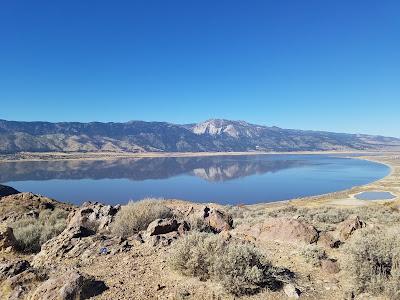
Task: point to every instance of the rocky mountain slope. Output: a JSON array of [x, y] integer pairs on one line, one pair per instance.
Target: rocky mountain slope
[[140, 136]]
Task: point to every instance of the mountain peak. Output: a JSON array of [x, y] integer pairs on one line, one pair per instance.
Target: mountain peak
[[234, 129]]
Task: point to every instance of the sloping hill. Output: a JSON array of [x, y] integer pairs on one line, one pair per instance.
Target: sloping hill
[[140, 136]]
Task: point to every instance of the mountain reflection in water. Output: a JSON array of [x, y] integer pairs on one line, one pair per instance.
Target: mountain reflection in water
[[214, 169]]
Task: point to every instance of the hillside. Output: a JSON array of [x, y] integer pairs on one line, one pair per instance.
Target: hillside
[[211, 135]]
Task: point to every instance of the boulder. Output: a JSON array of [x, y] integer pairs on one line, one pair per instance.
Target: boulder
[[79, 243], [327, 240], [286, 230], [348, 226], [67, 286], [19, 285], [162, 226], [217, 220], [329, 266], [10, 269], [95, 217], [291, 291], [7, 239]]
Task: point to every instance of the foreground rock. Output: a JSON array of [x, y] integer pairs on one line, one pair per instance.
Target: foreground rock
[[20, 285], [17, 206], [79, 243], [328, 240], [291, 291], [281, 230], [7, 239], [347, 227], [68, 285], [164, 231], [217, 220], [10, 269], [93, 216]]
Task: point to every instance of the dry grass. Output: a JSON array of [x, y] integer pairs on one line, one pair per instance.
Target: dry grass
[[31, 233], [373, 261], [136, 216], [240, 268]]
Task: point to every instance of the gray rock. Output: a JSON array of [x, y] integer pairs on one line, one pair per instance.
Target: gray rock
[[10, 269], [347, 227], [67, 286], [217, 220], [291, 291], [95, 217], [7, 238]]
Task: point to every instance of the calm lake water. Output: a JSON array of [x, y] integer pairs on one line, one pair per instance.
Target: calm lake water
[[223, 179]]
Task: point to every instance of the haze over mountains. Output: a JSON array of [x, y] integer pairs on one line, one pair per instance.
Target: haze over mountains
[[211, 135]]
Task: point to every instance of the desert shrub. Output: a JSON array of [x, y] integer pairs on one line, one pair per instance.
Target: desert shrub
[[136, 216], [31, 233], [373, 261], [195, 254], [240, 268], [197, 223], [313, 254]]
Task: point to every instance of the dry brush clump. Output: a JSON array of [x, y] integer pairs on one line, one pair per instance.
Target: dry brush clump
[[240, 268], [373, 261], [313, 254], [136, 216], [31, 233]]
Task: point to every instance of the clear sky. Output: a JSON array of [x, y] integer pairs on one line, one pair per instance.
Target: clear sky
[[326, 65]]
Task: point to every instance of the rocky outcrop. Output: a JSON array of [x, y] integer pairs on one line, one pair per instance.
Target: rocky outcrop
[[80, 243], [15, 207], [10, 269], [348, 226], [7, 239], [67, 286], [327, 240], [164, 226], [94, 217], [164, 231], [19, 286], [84, 237], [217, 220], [281, 230]]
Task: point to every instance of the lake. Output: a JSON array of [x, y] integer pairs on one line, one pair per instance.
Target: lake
[[243, 179]]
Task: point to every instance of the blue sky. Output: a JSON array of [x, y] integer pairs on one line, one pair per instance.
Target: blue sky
[[325, 65]]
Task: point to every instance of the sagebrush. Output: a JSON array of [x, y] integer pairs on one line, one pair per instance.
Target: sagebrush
[[373, 261], [240, 268], [136, 216], [31, 233]]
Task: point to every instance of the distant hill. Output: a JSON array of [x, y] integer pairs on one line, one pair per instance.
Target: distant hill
[[211, 135], [7, 190]]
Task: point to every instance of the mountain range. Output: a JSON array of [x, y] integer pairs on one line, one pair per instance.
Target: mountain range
[[210, 135]]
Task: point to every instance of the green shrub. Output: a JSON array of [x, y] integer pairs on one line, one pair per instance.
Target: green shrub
[[240, 268], [136, 216], [373, 261], [31, 233]]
